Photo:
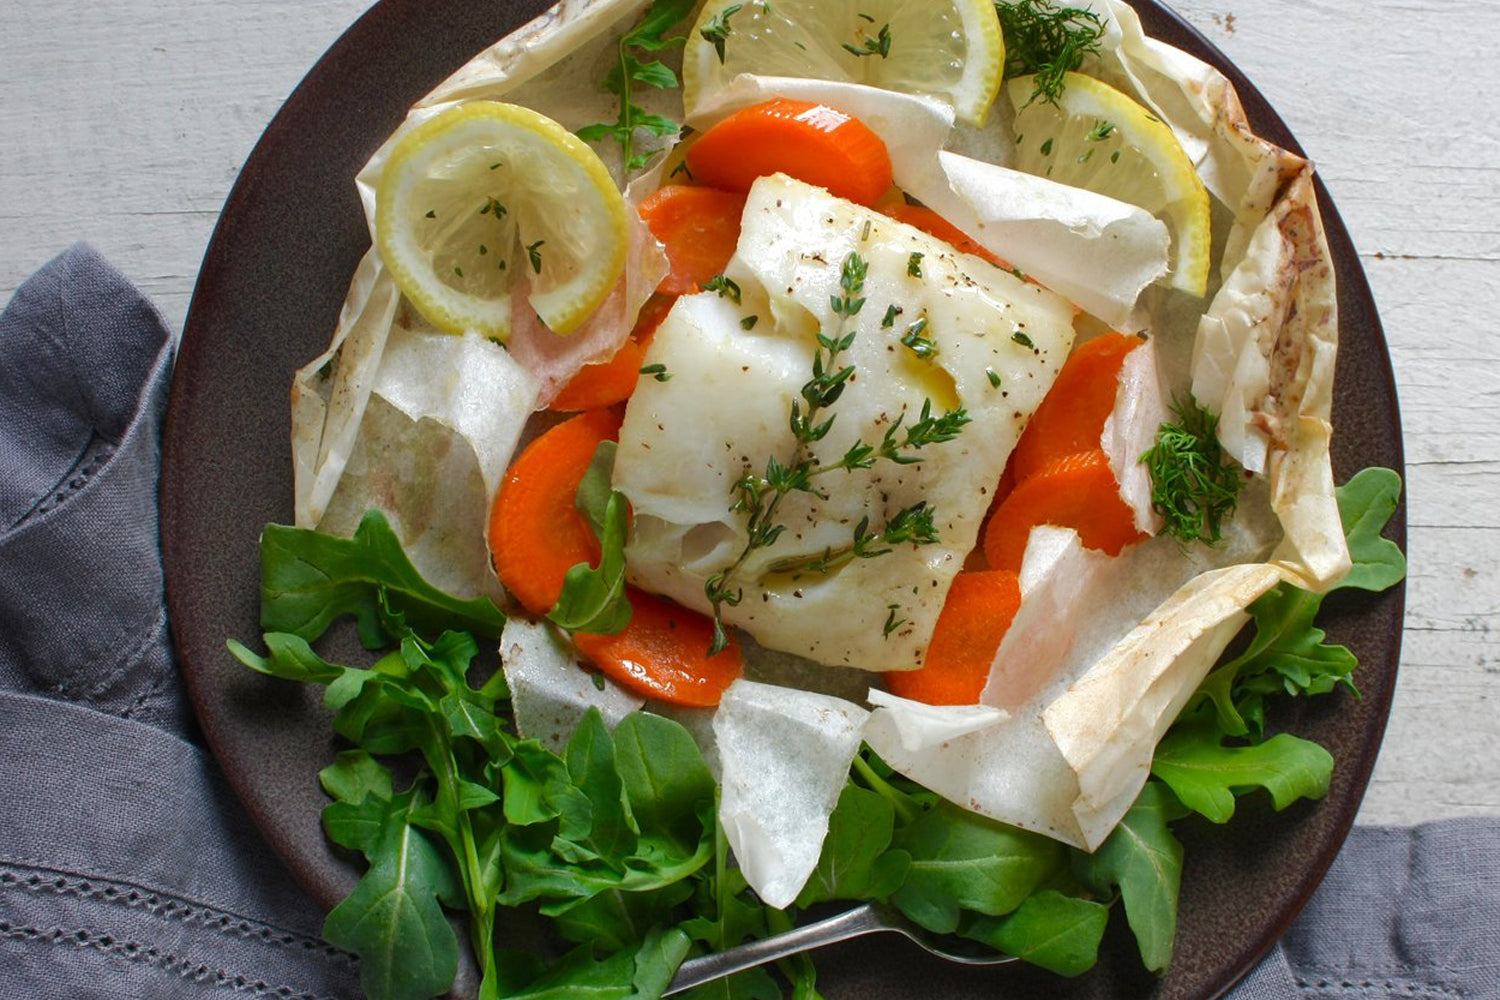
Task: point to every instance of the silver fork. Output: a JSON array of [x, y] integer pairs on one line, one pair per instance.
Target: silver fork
[[871, 918]]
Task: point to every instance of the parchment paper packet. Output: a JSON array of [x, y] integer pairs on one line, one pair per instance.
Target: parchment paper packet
[[1260, 351]]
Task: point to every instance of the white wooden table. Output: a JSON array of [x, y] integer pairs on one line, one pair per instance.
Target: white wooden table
[[124, 123]]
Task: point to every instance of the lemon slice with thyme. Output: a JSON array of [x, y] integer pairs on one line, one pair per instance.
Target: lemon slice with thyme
[[475, 195], [1097, 138], [948, 48]]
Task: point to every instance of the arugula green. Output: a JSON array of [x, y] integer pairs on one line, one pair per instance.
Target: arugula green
[[963, 861], [616, 842], [1144, 859], [309, 579], [647, 36], [1056, 931], [593, 600]]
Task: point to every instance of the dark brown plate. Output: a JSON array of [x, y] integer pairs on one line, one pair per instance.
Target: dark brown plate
[[267, 301]]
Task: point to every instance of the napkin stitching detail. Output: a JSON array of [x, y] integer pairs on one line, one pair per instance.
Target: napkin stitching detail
[[166, 906], [81, 937], [77, 478], [1384, 988], [133, 658]]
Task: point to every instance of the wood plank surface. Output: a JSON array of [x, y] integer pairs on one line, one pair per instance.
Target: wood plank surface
[[125, 124]]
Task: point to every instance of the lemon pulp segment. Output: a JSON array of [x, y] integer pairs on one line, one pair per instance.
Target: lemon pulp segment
[[948, 48], [485, 192], [1097, 138]]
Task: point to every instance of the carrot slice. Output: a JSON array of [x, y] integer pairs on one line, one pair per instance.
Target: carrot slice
[[699, 226], [811, 142], [663, 654], [609, 382], [1071, 417], [975, 617], [933, 224], [536, 534], [1076, 491]]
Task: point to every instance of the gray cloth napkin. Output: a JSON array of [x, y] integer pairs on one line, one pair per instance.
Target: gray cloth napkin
[[127, 867]]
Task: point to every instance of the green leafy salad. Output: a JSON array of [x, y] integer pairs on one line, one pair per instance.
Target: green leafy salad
[[874, 564], [615, 839]]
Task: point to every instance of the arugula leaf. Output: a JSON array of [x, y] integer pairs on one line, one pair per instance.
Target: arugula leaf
[[590, 756], [639, 974], [592, 497], [798, 969], [361, 789], [963, 861], [665, 778], [353, 775], [1058, 932], [291, 659], [594, 600], [537, 786], [1287, 650], [1287, 644], [735, 920], [855, 863], [1205, 774], [1144, 859], [647, 36], [392, 920], [309, 579], [616, 919], [1366, 503]]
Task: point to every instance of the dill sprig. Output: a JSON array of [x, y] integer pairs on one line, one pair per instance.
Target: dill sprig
[[1048, 40], [759, 495], [1193, 487], [632, 68]]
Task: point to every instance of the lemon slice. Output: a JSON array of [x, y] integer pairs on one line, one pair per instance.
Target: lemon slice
[[1097, 138], [948, 48], [474, 196]]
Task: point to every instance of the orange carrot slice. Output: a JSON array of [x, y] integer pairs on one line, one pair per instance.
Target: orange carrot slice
[[663, 654], [975, 617], [536, 533], [1071, 417], [613, 381], [699, 226], [811, 142], [933, 224], [1076, 491]]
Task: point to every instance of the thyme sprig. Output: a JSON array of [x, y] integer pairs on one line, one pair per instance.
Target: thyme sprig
[[880, 45], [1193, 487], [716, 31], [632, 68], [759, 495], [1049, 40]]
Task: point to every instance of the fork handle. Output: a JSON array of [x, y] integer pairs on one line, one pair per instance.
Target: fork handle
[[841, 927]]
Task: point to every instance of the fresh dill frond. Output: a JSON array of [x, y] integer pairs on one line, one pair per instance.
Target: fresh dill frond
[[1193, 486], [1044, 38]]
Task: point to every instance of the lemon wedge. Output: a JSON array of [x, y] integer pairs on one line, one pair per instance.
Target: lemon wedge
[[474, 197], [947, 48], [1097, 138]]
